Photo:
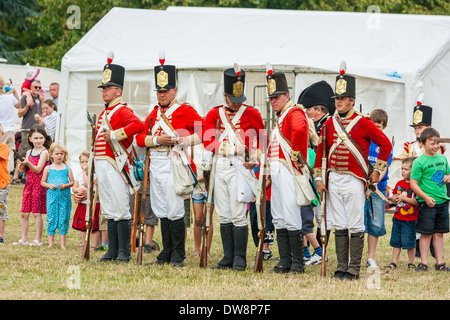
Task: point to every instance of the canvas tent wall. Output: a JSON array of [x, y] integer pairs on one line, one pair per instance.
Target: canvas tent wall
[[395, 58]]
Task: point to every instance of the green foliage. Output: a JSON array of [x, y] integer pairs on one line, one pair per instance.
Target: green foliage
[[14, 15], [53, 26], [48, 36]]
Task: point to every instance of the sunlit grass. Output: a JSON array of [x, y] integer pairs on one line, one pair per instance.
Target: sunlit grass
[[43, 273]]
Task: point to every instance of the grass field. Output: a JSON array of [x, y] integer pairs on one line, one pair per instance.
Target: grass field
[[41, 273]]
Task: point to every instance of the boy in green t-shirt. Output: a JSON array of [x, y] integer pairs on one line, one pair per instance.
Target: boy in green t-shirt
[[429, 174]]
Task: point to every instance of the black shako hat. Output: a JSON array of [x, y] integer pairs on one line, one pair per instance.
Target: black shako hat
[[422, 114], [113, 74], [345, 84], [276, 82], [165, 75], [319, 93], [234, 83]]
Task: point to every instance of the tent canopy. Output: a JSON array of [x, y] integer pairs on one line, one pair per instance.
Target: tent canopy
[[383, 46], [395, 57]]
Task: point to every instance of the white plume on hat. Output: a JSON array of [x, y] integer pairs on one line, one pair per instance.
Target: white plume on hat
[[269, 69], [237, 69], [343, 67], [162, 57], [420, 99], [110, 57]]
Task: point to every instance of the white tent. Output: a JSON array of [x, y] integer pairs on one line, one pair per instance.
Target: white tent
[[395, 58]]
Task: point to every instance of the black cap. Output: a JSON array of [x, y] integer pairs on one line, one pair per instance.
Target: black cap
[[113, 74], [277, 84], [165, 77], [422, 115], [345, 84], [319, 93], [234, 83]]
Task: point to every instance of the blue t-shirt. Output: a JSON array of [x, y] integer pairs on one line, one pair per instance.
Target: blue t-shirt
[[373, 155]]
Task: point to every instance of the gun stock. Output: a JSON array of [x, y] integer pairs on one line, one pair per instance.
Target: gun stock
[[87, 241], [261, 212], [262, 231], [143, 199], [207, 211], [135, 223], [204, 253], [91, 199]]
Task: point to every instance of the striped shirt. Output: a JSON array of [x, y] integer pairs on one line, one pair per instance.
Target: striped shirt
[[50, 124]]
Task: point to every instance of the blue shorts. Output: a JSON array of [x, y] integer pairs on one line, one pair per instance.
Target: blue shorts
[[307, 213], [201, 198], [403, 234], [375, 226], [433, 220]]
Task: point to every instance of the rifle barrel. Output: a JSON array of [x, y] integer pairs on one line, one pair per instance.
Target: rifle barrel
[[144, 198], [91, 199]]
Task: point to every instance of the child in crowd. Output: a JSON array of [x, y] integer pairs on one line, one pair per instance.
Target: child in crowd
[[307, 213], [202, 159], [268, 241], [79, 218], [58, 179], [34, 196], [404, 222], [374, 208], [49, 117], [4, 185], [429, 175]]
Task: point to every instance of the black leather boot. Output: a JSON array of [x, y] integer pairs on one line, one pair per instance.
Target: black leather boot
[[227, 235], [240, 248], [356, 251], [164, 255], [123, 236], [113, 242], [284, 249], [177, 235], [342, 243], [296, 244]]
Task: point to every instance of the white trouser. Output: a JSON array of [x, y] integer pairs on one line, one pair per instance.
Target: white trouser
[[226, 204], [286, 214], [345, 202], [112, 191], [164, 201]]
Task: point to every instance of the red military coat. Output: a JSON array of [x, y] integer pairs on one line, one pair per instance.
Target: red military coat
[[250, 128], [185, 120], [125, 125], [342, 160], [295, 129]]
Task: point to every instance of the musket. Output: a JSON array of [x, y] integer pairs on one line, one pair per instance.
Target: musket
[[323, 207], [143, 199], [90, 200], [135, 222], [204, 253], [91, 213], [261, 213], [207, 211]]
